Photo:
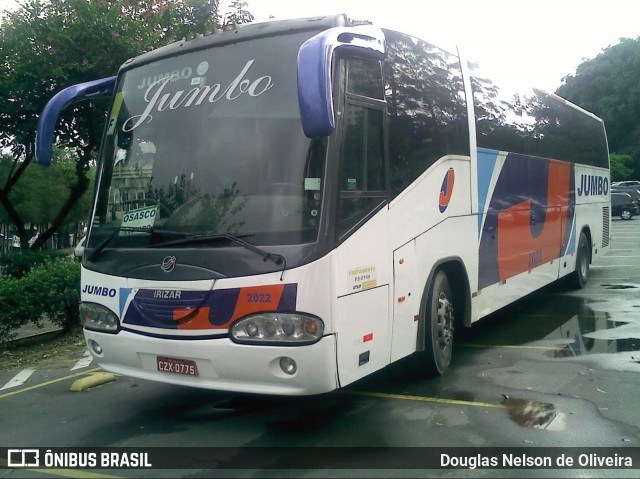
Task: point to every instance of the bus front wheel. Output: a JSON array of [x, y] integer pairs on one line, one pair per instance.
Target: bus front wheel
[[439, 315]]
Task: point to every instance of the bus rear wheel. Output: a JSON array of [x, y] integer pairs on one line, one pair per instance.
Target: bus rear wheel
[[580, 276], [439, 314]]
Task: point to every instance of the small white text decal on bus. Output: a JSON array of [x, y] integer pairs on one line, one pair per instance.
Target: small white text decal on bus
[[362, 278]]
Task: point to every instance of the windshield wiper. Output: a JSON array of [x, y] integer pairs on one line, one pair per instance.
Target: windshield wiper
[[137, 229], [278, 259]]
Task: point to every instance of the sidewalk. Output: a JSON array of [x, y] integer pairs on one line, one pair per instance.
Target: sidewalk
[[29, 330]]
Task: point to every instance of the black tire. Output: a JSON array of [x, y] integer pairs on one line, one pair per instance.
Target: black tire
[[580, 276], [439, 325], [626, 214]]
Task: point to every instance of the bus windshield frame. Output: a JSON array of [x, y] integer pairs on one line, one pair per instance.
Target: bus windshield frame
[[210, 142]]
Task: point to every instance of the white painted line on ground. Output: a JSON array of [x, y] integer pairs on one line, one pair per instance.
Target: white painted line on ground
[[600, 266], [83, 362], [19, 379]]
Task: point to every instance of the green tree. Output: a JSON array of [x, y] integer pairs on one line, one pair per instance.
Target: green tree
[[238, 14], [609, 86], [46, 46], [621, 166], [41, 193]]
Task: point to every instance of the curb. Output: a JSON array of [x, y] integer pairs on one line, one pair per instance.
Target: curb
[[96, 379]]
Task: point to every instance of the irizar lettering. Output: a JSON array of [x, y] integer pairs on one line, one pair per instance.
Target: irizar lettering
[[159, 101], [166, 294], [593, 185], [99, 291]]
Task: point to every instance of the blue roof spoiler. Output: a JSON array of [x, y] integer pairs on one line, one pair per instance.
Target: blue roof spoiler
[[49, 117], [314, 72]]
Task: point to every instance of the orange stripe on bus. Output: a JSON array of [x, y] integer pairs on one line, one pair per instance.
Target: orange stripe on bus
[[200, 320], [518, 249], [258, 298]]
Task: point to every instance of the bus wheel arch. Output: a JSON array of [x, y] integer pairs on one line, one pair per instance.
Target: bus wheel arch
[[445, 306]]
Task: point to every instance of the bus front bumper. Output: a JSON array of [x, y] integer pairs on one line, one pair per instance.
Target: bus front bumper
[[218, 364]]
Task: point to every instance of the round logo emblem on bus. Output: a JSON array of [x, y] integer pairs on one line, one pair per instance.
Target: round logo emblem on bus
[[168, 264], [446, 191]]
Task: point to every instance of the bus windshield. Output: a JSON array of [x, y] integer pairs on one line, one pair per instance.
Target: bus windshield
[[210, 142]]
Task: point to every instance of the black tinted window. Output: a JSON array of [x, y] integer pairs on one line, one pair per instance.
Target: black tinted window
[[362, 179], [211, 142], [535, 123], [426, 107], [365, 78]]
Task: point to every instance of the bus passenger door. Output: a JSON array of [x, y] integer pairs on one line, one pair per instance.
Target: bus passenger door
[[362, 266]]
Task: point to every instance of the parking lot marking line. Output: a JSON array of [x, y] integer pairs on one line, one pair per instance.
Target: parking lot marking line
[[12, 393], [406, 397], [83, 362], [609, 293], [601, 266], [510, 346], [612, 278], [62, 472], [19, 379]]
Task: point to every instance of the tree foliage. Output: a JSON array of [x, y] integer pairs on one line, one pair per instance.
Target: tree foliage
[[624, 167], [41, 193], [46, 46], [609, 86], [238, 14], [22, 298]]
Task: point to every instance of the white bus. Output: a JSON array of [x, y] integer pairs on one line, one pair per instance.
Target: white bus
[[290, 206]]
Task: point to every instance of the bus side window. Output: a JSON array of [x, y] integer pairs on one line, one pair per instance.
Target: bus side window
[[426, 108], [362, 170], [362, 156]]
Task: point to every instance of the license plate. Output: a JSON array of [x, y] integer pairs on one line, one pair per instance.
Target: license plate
[[186, 367]]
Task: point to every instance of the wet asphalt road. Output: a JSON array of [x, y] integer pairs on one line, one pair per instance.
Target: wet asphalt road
[[559, 369]]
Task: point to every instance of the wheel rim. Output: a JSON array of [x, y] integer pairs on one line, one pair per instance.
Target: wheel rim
[[625, 215], [584, 267], [444, 327]]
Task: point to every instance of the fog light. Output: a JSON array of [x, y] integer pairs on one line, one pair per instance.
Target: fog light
[[288, 365], [95, 346]]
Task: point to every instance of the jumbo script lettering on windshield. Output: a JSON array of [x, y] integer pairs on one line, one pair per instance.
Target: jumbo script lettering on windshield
[[157, 100]]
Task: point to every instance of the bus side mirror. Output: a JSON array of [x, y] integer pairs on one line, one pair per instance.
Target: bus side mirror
[[62, 99], [315, 59]]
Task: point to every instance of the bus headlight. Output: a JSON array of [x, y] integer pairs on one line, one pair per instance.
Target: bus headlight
[[98, 318], [277, 329]]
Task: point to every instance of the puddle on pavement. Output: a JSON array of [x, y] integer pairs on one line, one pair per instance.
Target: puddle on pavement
[[591, 331], [620, 286], [534, 414]]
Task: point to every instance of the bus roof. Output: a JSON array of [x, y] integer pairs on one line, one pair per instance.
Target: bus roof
[[242, 32]]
